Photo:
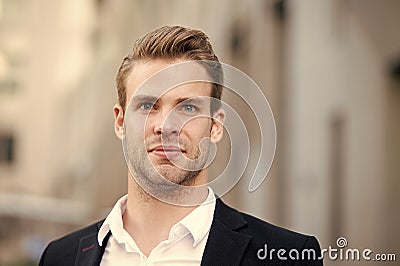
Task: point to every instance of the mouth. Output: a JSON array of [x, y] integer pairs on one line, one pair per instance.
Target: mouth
[[166, 151]]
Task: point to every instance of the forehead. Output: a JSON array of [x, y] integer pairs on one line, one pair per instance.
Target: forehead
[[161, 78]]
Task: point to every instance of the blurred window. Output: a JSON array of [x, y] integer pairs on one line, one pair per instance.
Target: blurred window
[[8, 85], [6, 149]]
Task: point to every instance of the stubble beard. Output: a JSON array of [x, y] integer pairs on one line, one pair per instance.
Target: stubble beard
[[165, 180]]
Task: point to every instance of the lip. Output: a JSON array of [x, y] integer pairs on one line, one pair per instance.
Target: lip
[[166, 151]]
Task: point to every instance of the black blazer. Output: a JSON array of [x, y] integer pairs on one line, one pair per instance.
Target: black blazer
[[235, 238]]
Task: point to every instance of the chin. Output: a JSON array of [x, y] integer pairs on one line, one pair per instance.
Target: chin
[[176, 175]]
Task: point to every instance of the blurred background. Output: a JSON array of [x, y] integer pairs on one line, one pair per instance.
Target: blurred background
[[329, 68]]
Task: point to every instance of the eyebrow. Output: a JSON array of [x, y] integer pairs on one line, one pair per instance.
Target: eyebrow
[[146, 98], [195, 100]]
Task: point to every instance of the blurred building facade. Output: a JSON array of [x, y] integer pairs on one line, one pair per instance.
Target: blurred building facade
[[323, 65]]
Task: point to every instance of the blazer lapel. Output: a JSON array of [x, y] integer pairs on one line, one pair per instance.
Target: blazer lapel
[[89, 251], [224, 243]]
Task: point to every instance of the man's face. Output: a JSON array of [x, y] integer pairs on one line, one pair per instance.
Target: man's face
[[168, 134]]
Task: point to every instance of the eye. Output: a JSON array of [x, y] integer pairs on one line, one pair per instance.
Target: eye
[[146, 106], [189, 108]]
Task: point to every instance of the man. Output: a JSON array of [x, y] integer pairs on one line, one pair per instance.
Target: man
[[170, 216]]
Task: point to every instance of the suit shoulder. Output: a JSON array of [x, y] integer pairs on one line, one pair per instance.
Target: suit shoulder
[[261, 231], [74, 236], [65, 248], [268, 238], [277, 236]]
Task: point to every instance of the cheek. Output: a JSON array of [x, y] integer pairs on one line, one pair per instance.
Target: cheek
[[136, 126], [197, 129]]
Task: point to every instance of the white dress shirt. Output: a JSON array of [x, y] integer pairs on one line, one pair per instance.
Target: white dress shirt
[[184, 246]]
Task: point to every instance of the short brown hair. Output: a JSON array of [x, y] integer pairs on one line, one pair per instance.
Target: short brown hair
[[172, 42]]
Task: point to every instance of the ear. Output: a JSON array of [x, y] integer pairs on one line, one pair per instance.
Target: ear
[[119, 121], [217, 127]]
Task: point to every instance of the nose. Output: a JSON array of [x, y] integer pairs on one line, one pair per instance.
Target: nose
[[166, 124]]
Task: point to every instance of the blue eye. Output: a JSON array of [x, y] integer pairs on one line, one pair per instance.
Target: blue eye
[[146, 106], [189, 108]]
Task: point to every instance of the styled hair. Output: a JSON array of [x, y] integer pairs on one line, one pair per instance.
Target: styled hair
[[173, 42]]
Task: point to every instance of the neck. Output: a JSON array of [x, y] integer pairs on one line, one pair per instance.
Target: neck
[[148, 220]]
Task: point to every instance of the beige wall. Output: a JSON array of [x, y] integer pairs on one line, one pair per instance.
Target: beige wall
[[338, 54]]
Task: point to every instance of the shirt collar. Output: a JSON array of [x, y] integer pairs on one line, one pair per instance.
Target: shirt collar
[[114, 220], [198, 222]]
